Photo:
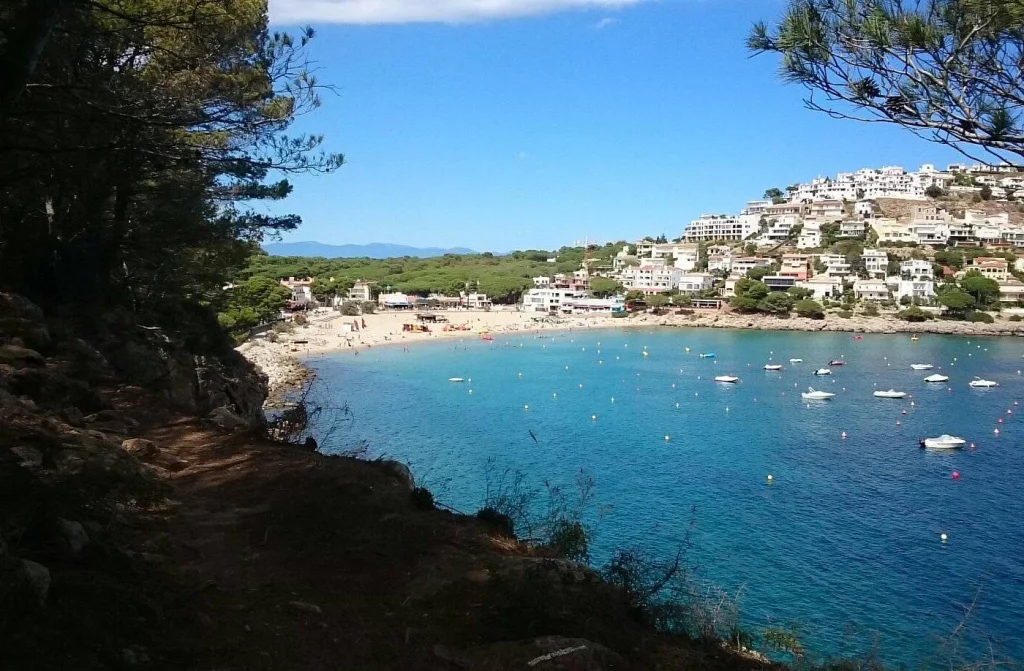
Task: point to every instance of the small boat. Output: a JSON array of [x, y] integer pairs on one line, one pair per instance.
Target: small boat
[[796, 360], [773, 366], [836, 362], [937, 378], [727, 378], [892, 393], [813, 395], [823, 371], [857, 337], [978, 382], [921, 366], [944, 442], [913, 339], [455, 379], [708, 355], [486, 337]]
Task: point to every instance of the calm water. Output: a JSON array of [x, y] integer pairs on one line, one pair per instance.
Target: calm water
[[844, 543]]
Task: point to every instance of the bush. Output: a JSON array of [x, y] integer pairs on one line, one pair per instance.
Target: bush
[[369, 307], [499, 522], [568, 539], [300, 319], [422, 498], [1016, 318], [914, 314], [871, 310], [845, 314], [350, 309], [980, 318], [272, 337], [810, 309], [906, 300]]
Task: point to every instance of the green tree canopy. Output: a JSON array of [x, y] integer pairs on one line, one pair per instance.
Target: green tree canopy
[[603, 287], [743, 303], [956, 301], [748, 288], [810, 309], [777, 302], [984, 290], [658, 301], [948, 70]]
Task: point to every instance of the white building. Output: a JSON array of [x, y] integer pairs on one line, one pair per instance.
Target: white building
[[852, 229], [542, 281], [580, 306], [302, 291], [871, 290], [822, 286], [810, 236], [692, 283], [876, 263], [890, 230], [921, 289], [720, 263], [361, 291], [650, 279], [916, 268], [721, 227], [550, 299], [745, 264]]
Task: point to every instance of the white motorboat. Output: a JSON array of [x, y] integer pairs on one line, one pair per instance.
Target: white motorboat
[[937, 378], [823, 371], [773, 366], [813, 395], [944, 442], [796, 360], [892, 393], [978, 382], [727, 378], [921, 366], [455, 379]]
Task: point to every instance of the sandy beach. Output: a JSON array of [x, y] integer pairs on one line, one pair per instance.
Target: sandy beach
[[328, 334]]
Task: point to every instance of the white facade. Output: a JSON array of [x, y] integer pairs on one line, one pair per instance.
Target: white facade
[[650, 279], [549, 299], [744, 265], [922, 289], [871, 290], [876, 263], [721, 227], [720, 263], [810, 236], [852, 229], [692, 283], [916, 268], [822, 287]]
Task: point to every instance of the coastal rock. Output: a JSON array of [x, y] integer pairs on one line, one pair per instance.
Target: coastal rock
[[73, 536], [545, 652], [225, 418], [31, 583], [400, 472], [73, 416], [139, 447], [20, 357]]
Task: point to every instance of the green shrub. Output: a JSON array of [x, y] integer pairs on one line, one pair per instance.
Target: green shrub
[[1016, 318], [845, 314], [350, 309], [914, 314], [810, 309], [568, 539], [499, 522], [870, 310], [980, 317]]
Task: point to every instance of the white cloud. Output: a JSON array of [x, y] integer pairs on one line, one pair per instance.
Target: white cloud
[[423, 11], [605, 23]]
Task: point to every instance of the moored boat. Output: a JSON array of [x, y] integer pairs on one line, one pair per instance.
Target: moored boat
[[892, 393], [708, 355], [814, 395], [823, 371], [796, 360], [455, 379], [727, 378], [921, 366], [836, 362], [773, 366], [978, 382], [937, 378], [943, 442]]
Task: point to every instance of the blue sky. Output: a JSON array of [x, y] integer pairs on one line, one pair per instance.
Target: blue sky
[[466, 123]]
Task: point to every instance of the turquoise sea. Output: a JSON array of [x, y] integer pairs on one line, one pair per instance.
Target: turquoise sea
[[844, 543]]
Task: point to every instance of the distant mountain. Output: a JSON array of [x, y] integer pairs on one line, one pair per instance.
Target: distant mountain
[[374, 250]]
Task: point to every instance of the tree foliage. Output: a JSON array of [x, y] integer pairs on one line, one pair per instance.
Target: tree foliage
[[602, 287], [983, 289], [948, 70], [810, 309], [777, 302], [137, 140]]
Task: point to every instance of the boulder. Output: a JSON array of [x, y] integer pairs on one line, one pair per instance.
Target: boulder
[[20, 357], [545, 652], [73, 416], [73, 536], [33, 580], [31, 333], [52, 389], [139, 447], [225, 418], [400, 472]]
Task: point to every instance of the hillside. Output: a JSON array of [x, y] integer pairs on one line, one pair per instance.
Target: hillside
[[374, 250], [901, 209], [141, 528]]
